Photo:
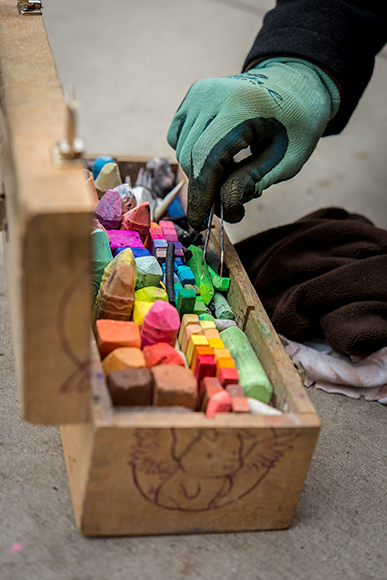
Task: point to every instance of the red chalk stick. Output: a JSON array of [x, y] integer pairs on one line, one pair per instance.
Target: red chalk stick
[[198, 351], [161, 324], [161, 353], [239, 405], [137, 219], [218, 403], [205, 367], [228, 375]]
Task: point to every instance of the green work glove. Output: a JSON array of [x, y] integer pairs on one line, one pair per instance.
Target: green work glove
[[279, 108]]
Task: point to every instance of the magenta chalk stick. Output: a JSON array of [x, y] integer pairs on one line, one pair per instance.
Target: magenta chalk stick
[[108, 210], [124, 239]]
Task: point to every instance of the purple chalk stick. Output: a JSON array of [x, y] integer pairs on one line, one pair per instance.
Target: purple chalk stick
[[124, 238], [108, 210]]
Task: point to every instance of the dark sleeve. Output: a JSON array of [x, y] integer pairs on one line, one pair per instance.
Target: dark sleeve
[[341, 36]]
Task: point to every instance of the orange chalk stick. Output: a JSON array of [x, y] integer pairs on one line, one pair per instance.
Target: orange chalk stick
[[188, 332], [112, 334], [221, 352], [208, 387], [174, 386], [205, 367], [225, 363], [239, 405], [194, 341], [227, 376], [161, 353], [123, 358], [218, 403], [200, 350]]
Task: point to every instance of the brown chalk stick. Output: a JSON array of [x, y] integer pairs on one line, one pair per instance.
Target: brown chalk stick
[[123, 358], [117, 295], [130, 387], [174, 386]]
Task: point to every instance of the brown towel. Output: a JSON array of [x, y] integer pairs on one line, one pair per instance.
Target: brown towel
[[324, 275]]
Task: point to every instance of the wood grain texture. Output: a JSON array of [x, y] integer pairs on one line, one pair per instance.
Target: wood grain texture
[[157, 473], [47, 241]]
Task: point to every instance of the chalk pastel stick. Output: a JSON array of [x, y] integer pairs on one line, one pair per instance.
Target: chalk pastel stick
[[185, 321], [212, 333], [189, 330], [130, 387], [222, 324], [101, 257], [93, 191], [258, 408], [116, 298], [200, 307], [161, 353], [214, 341], [137, 219], [123, 358], [128, 200], [185, 275], [112, 334], [148, 272], [206, 316], [151, 294], [252, 377], [139, 252], [219, 284], [108, 210], [235, 390], [99, 162], [125, 256], [194, 341], [224, 363], [95, 225], [158, 244], [200, 350], [185, 302], [218, 403], [222, 307], [205, 367], [227, 376], [160, 255], [108, 178], [208, 386], [239, 405], [161, 324], [208, 324], [140, 309], [124, 239], [174, 386], [204, 283]]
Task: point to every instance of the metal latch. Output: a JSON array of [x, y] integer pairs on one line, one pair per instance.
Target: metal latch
[[69, 150], [34, 7], [3, 218]]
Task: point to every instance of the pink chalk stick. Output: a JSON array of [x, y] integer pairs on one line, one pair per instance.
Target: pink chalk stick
[[161, 324], [219, 403], [124, 239], [108, 210], [166, 224]]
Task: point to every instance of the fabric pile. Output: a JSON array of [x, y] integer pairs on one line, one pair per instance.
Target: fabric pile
[[325, 277]]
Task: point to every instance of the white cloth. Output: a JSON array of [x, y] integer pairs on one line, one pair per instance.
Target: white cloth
[[354, 377]]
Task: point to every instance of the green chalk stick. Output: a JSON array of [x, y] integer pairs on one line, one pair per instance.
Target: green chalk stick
[[185, 302], [205, 285], [252, 377], [206, 317], [222, 307], [220, 284], [148, 272], [101, 257], [200, 307]]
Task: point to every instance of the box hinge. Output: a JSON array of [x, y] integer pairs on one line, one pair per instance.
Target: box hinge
[[26, 7]]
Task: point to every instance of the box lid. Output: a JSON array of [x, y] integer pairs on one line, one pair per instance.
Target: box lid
[[47, 231]]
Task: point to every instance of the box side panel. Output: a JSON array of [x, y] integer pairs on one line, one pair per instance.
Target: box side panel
[[177, 480]]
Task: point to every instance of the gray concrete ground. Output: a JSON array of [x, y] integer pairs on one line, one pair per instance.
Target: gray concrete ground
[[131, 64]]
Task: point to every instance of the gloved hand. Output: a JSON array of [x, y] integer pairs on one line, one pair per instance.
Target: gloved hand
[[279, 108]]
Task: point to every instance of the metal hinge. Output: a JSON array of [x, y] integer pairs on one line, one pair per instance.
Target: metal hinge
[[3, 217], [34, 7]]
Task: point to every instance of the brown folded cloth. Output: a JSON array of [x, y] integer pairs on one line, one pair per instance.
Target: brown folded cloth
[[324, 275]]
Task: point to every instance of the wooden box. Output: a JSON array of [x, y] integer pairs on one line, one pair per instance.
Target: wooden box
[[129, 473]]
